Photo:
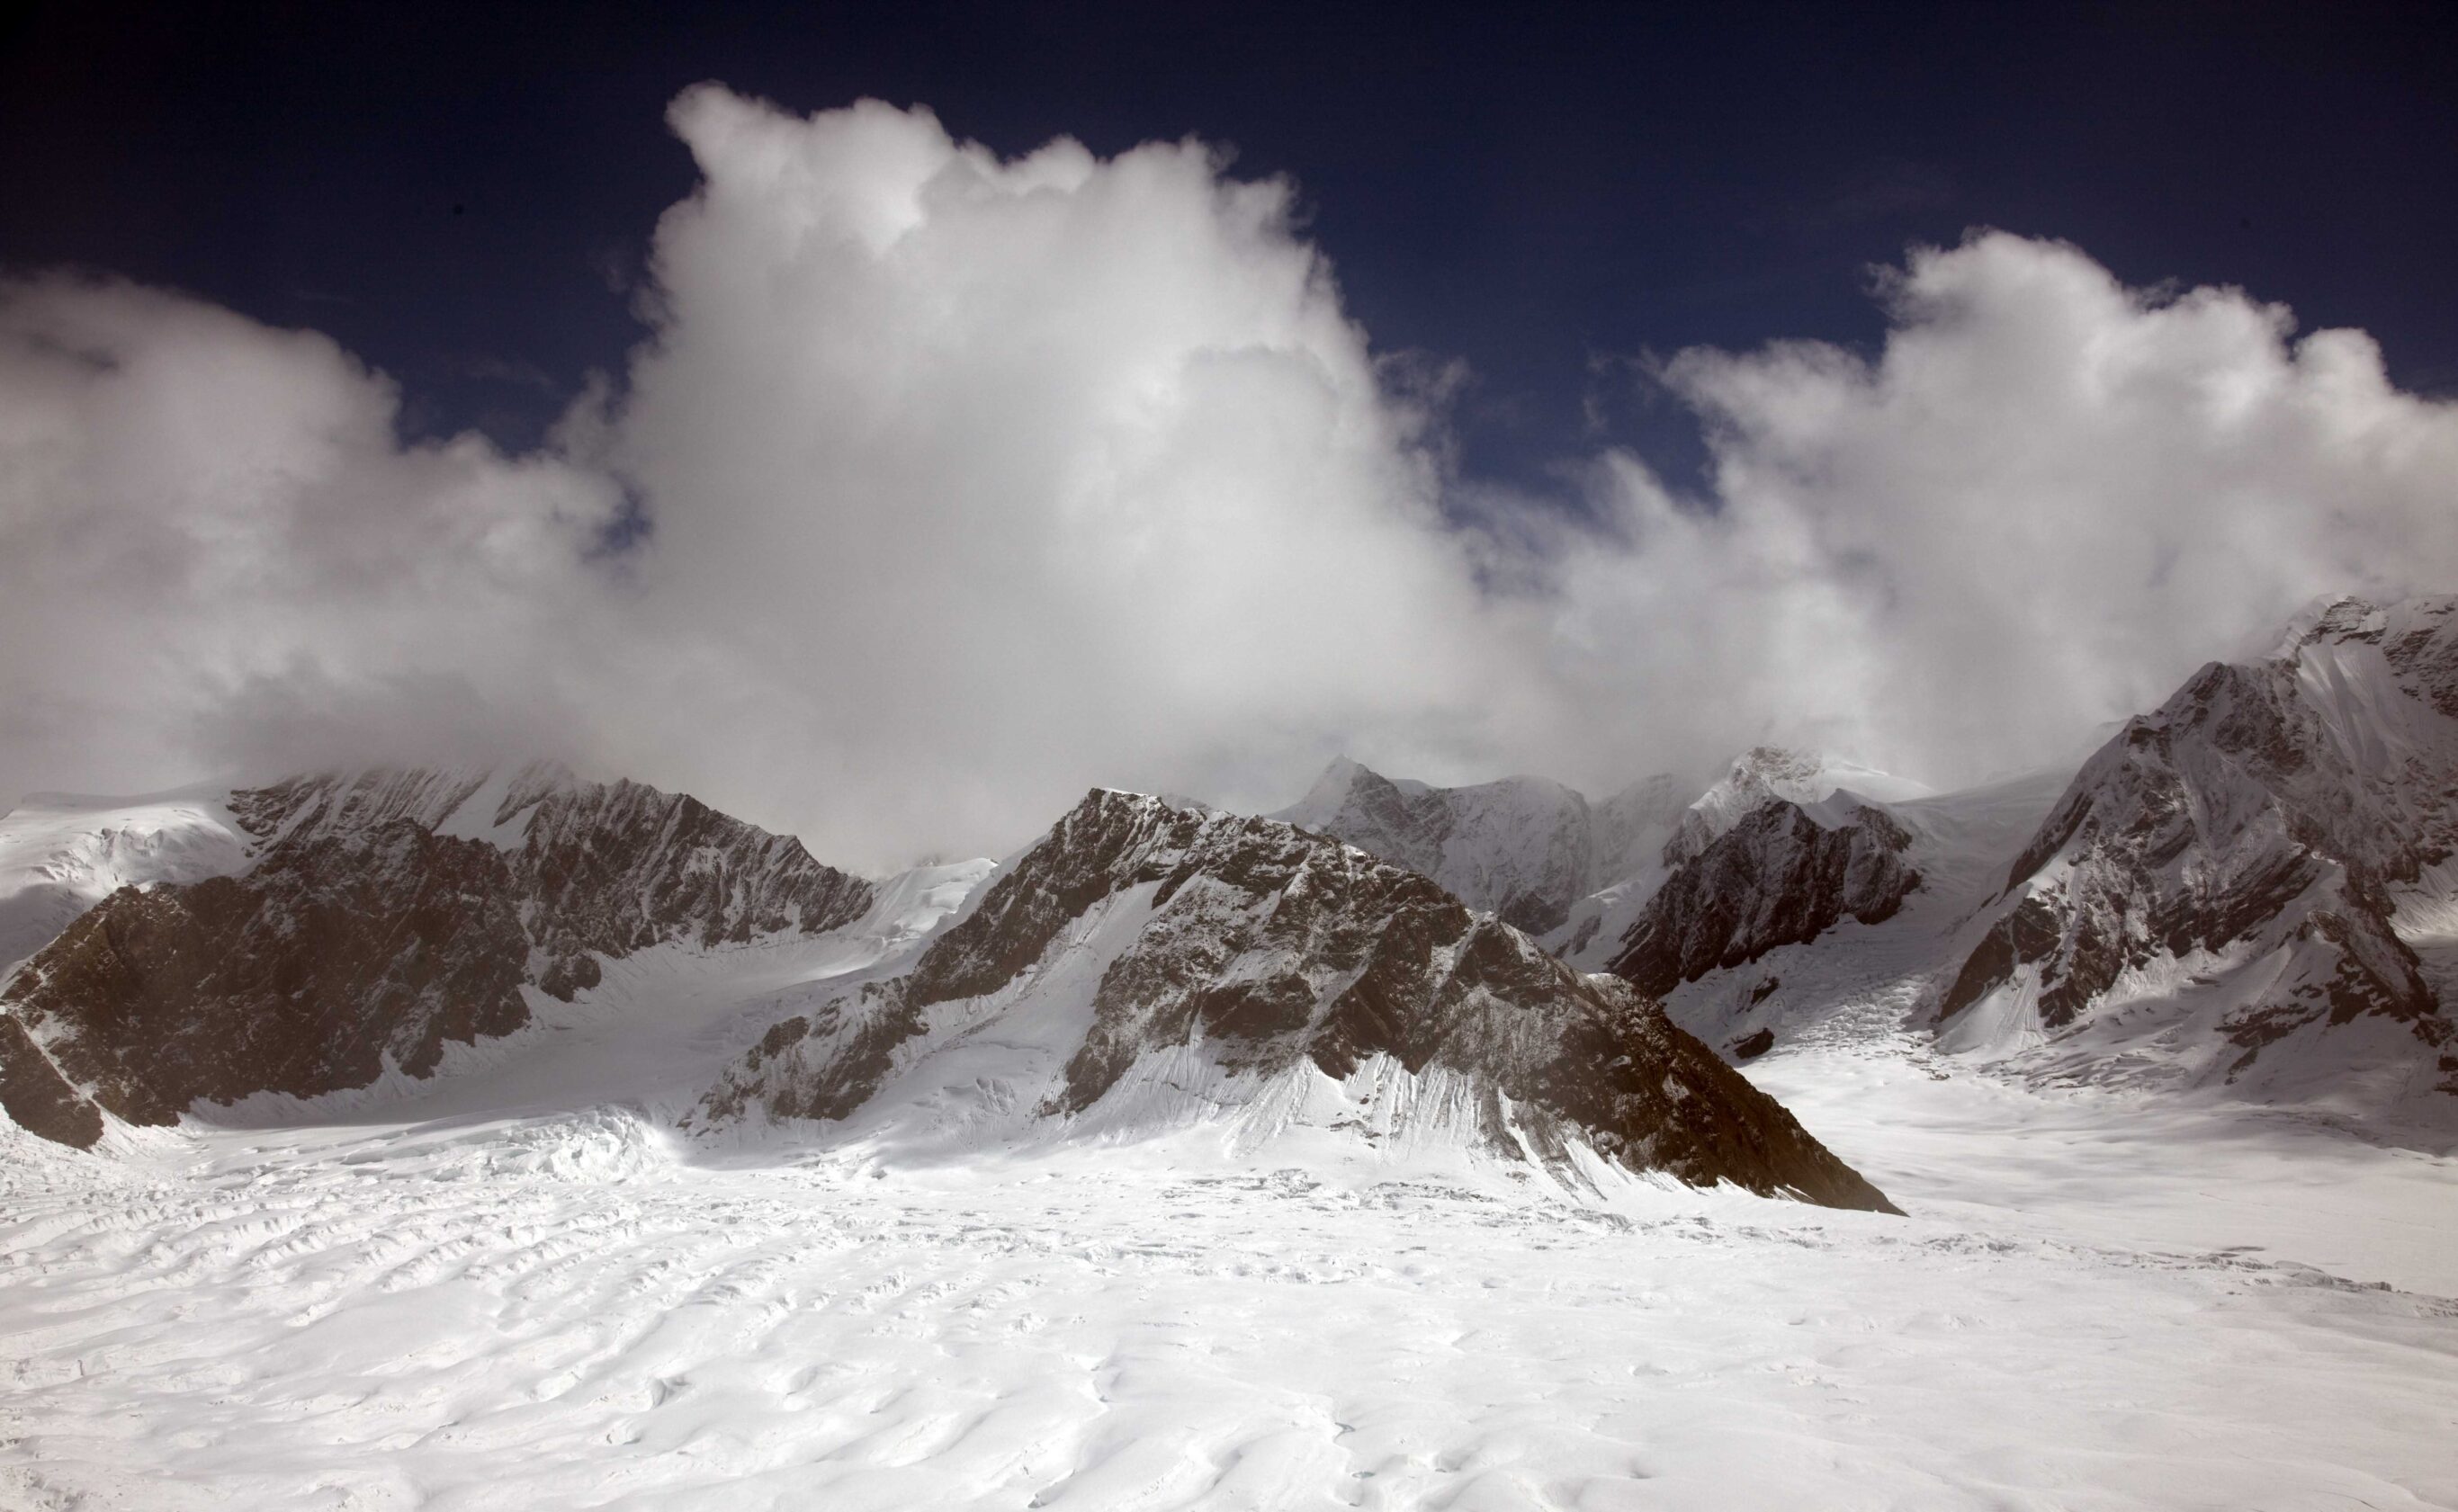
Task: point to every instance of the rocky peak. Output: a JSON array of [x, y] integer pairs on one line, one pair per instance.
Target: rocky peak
[[1269, 952], [379, 916], [1764, 774], [1783, 874], [2273, 811]]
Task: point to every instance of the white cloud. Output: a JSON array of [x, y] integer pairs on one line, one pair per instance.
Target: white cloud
[[214, 551], [976, 481], [2040, 507]]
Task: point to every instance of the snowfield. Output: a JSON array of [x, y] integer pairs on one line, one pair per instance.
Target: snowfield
[[2096, 1302]]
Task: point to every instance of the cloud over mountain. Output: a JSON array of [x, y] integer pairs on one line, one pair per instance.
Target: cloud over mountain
[[970, 482], [2042, 504]]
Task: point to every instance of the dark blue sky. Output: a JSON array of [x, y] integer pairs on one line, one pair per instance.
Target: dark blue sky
[[457, 194]]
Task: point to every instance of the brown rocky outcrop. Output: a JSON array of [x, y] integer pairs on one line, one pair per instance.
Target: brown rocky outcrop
[[37, 1098], [301, 977]]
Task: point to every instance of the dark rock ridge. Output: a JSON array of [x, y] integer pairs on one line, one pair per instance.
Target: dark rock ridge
[[2269, 810], [1780, 877], [37, 1098], [301, 977], [1268, 947], [374, 925], [609, 868]]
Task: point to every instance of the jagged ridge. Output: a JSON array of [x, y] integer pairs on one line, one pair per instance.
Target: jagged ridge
[[384, 915], [1273, 950], [1781, 876], [2265, 811]]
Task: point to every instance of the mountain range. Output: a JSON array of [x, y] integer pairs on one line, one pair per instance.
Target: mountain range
[[2249, 892]]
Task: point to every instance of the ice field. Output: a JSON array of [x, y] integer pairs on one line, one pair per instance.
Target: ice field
[[2093, 1303]]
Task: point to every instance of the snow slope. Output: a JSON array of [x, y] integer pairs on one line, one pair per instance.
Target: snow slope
[[2099, 1301], [61, 854]]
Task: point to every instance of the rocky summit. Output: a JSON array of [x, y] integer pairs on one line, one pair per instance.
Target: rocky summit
[[1144, 943]]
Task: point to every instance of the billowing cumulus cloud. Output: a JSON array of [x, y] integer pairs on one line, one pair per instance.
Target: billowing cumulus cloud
[[2039, 508], [974, 482], [977, 482]]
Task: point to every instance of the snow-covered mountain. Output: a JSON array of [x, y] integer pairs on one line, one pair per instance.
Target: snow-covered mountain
[[1778, 850], [1765, 774], [1526, 849], [1782, 874], [61, 854], [2253, 883], [1145, 963], [1661, 883], [2253, 888], [365, 921]]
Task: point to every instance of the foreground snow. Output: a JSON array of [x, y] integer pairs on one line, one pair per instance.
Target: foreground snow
[[2096, 1303]]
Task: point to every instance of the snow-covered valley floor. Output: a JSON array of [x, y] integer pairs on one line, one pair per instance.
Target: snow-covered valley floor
[[2094, 1303]]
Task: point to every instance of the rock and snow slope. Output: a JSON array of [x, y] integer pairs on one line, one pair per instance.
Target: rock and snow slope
[[1662, 884], [1145, 966], [2253, 889], [2250, 892], [60, 855], [2242, 886], [1146, 963], [368, 921]]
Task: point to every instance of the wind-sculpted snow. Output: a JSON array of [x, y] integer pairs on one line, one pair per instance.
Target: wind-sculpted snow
[[1276, 958], [381, 916], [2099, 1301], [1781, 876], [2247, 857]]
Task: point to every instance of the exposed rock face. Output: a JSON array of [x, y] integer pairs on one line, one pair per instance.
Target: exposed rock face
[[298, 978], [1783, 875], [37, 1098], [1766, 774], [1269, 949], [1524, 848], [386, 915], [2268, 816], [607, 868]]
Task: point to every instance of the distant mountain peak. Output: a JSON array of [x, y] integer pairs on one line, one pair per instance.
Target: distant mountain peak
[[1525, 848]]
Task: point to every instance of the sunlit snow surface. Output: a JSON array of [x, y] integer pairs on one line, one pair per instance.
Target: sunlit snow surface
[[2094, 1303]]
